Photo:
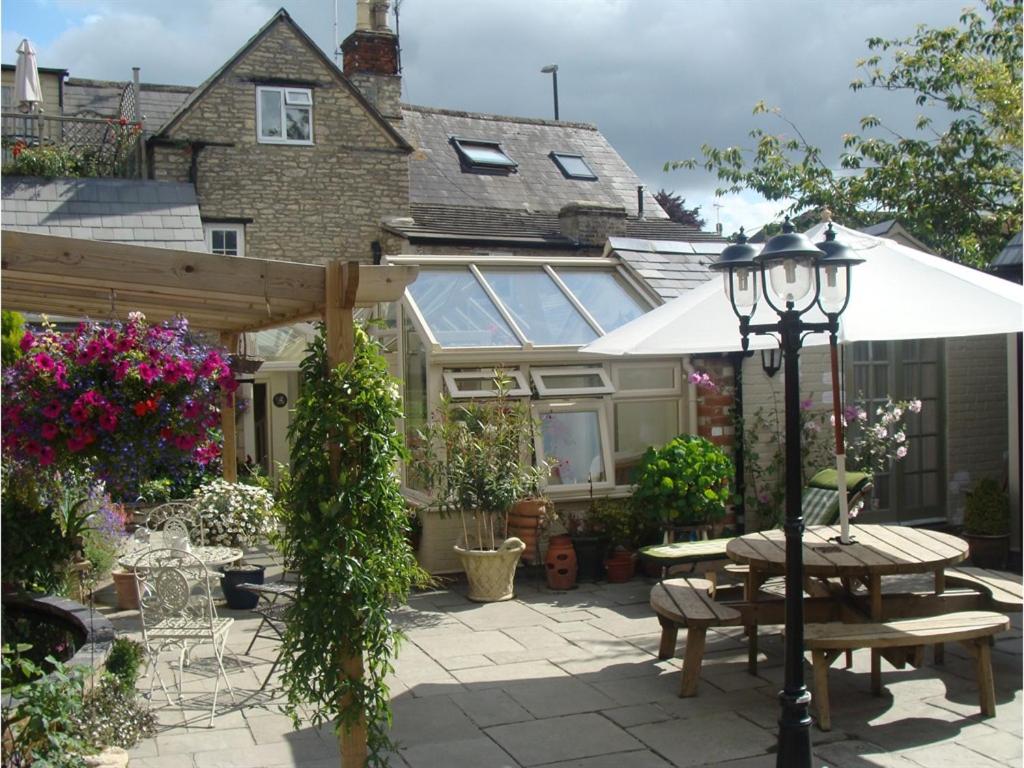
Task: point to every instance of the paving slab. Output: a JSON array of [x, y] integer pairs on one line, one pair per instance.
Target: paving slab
[[562, 738], [429, 721], [713, 738], [552, 697], [480, 752], [490, 707]]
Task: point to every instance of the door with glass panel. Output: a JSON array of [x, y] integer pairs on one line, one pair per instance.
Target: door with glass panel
[[913, 490]]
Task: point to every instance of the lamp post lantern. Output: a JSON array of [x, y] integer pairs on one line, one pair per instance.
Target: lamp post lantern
[[792, 275], [552, 69]]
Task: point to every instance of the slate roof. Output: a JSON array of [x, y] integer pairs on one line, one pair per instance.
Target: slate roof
[[157, 213], [87, 97], [436, 175], [669, 267], [1011, 255]]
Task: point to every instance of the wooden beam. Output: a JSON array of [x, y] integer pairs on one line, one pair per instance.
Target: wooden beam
[[229, 451]]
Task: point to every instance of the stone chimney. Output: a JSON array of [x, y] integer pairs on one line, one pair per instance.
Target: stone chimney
[[591, 224], [370, 58]]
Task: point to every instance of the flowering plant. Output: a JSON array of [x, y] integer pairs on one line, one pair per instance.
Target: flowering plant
[[873, 443], [235, 514], [125, 401]]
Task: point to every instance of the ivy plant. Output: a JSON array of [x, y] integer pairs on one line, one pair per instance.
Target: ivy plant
[[346, 537]]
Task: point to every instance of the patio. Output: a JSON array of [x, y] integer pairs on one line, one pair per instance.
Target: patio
[[572, 679]]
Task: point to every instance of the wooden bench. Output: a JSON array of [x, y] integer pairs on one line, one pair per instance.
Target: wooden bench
[[1005, 589], [686, 602], [972, 628]]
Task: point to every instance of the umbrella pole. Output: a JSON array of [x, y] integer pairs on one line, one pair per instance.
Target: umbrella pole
[[837, 411]]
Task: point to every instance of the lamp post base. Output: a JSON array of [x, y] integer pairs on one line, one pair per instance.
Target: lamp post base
[[794, 730]]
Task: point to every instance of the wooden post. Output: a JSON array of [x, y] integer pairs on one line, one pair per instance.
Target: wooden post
[[229, 451], [342, 283]]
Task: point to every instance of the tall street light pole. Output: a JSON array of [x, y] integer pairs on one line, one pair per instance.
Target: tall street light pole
[[785, 272], [552, 69]]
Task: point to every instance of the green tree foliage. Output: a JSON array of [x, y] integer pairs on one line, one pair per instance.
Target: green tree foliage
[[347, 540], [675, 207], [957, 187], [12, 328]]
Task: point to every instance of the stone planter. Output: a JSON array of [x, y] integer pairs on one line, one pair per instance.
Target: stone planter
[[988, 551], [127, 590], [491, 573]]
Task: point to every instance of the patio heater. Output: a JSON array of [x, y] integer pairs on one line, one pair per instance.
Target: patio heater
[[793, 275]]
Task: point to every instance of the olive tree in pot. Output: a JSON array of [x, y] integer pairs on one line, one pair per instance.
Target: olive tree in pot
[[236, 515], [474, 458], [683, 485], [987, 524]]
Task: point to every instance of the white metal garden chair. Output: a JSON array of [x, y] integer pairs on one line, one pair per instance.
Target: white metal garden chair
[[177, 612], [177, 513]]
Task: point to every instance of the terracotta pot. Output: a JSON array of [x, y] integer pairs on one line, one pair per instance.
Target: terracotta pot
[[621, 566], [561, 563], [524, 523], [988, 551], [127, 591]]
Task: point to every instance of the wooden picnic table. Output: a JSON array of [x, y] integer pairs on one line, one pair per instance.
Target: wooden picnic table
[[876, 551]]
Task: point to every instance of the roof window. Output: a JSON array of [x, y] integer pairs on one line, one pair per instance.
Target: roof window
[[573, 166], [483, 155]]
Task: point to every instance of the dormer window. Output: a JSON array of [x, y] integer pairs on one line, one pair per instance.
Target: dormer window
[[284, 115], [483, 155], [573, 166]]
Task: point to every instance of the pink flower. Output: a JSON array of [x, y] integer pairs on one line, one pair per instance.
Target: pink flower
[[121, 369], [147, 372], [191, 409], [108, 421], [51, 410], [44, 362], [27, 341], [901, 452], [46, 455], [914, 406], [50, 431]]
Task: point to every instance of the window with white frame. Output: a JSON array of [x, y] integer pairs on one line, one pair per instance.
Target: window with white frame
[[573, 437], [647, 411], [570, 380], [225, 239], [284, 115], [484, 383]]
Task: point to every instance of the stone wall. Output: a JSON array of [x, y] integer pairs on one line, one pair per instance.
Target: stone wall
[[306, 203]]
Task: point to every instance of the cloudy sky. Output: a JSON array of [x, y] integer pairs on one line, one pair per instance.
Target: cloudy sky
[[658, 77]]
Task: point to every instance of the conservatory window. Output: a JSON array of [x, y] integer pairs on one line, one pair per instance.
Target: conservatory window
[[484, 383], [458, 312], [649, 379], [573, 437], [605, 295], [538, 306], [561, 381], [640, 424]]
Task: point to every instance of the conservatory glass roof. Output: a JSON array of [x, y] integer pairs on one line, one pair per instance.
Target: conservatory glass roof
[[479, 305]]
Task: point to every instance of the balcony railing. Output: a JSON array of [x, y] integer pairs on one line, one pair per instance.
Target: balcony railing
[[52, 145]]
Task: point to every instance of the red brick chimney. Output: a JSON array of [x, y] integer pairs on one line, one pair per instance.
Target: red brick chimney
[[370, 57]]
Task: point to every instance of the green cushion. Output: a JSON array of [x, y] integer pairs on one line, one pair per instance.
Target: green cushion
[[827, 479], [685, 551], [820, 506]]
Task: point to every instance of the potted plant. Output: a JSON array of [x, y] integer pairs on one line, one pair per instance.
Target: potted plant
[[236, 515], [987, 524], [474, 458], [624, 528], [526, 518], [683, 483]]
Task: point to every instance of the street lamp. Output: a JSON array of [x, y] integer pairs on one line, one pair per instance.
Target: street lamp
[[793, 275], [552, 69]]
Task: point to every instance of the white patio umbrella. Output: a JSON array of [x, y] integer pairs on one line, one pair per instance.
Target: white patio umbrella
[[26, 78], [896, 293]]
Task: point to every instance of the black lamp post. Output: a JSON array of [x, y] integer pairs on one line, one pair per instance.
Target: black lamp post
[[552, 69], [793, 275]]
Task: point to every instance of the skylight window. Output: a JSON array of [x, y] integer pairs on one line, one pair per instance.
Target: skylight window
[[483, 155], [573, 166]]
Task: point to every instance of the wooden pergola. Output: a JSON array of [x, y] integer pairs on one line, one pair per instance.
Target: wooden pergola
[[226, 294]]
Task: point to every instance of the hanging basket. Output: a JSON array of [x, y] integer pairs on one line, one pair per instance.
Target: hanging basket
[[245, 365]]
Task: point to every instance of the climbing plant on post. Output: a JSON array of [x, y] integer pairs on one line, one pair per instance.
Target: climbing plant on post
[[345, 533]]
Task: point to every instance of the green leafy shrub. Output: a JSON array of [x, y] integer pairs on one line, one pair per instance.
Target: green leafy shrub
[[113, 716], [621, 522], [987, 512], [37, 557], [684, 482], [49, 161], [124, 660], [344, 531], [12, 328]]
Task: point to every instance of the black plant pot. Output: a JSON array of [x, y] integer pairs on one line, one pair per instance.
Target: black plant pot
[[232, 576], [590, 551]]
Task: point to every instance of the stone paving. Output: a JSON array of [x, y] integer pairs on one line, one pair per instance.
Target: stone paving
[[572, 680]]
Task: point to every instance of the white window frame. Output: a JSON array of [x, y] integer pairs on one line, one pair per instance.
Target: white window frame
[[601, 408], [210, 227], [452, 378], [537, 375], [655, 393], [286, 93], [680, 418]]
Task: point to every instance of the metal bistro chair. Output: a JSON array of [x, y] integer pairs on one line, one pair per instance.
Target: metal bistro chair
[[177, 612], [274, 602], [174, 514]]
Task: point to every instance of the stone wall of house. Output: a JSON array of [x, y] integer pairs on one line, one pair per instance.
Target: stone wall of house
[[396, 245], [976, 415], [306, 203]]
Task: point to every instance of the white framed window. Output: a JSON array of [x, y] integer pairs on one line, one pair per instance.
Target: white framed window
[[484, 383], [571, 380], [647, 379], [284, 115], [574, 437], [225, 239]]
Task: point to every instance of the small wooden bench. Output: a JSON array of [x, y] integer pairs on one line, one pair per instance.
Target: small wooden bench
[[1005, 589], [686, 602], [972, 628]]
